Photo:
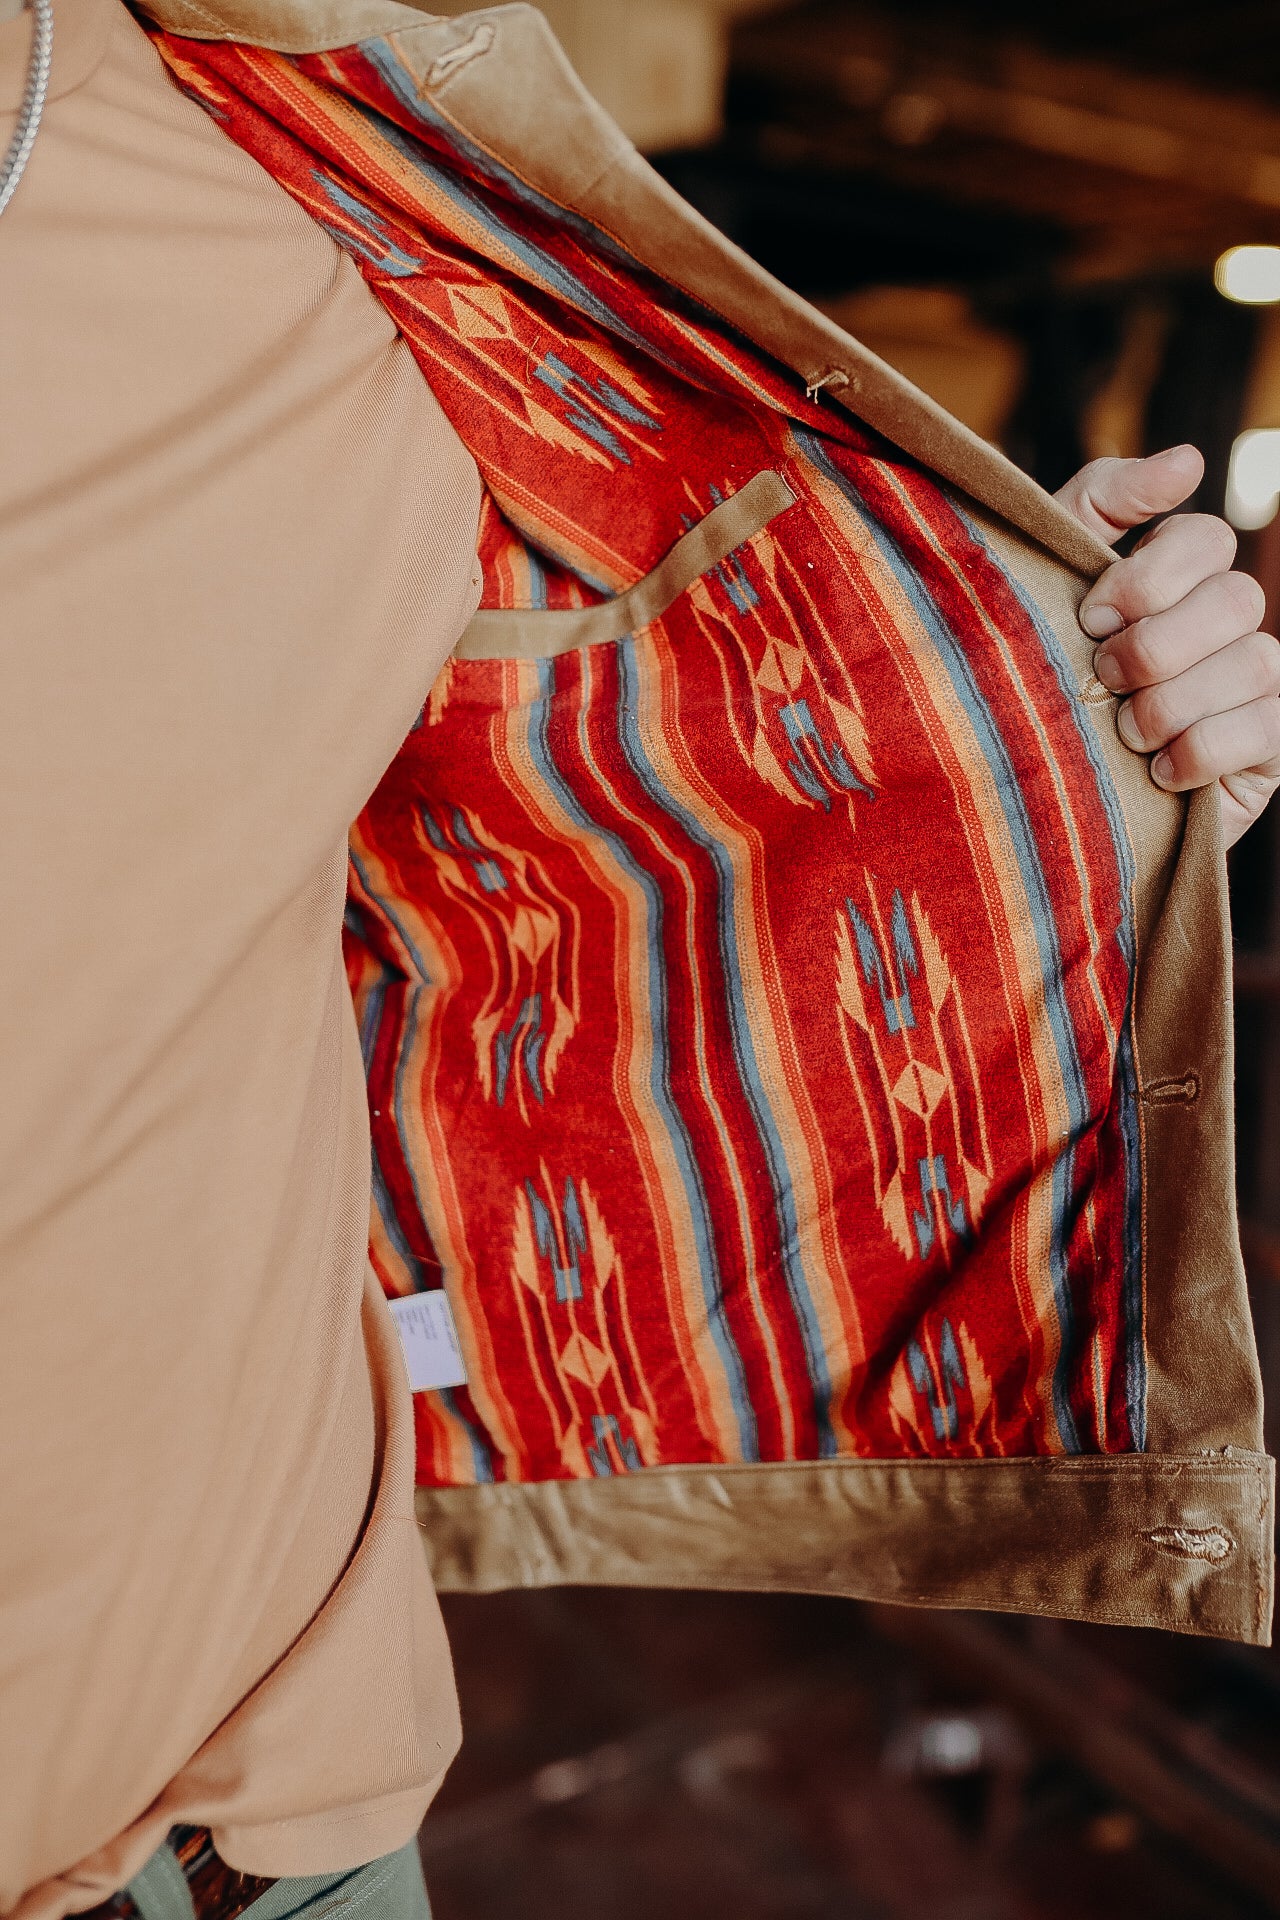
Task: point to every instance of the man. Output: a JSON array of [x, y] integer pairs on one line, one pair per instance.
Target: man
[[237, 541]]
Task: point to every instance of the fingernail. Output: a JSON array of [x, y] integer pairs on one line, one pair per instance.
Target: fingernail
[[1107, 669], [1100, 622], [1162, 770], [1172, 453], [1125, 727]]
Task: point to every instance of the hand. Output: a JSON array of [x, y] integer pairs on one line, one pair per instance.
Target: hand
[[1180, 636]]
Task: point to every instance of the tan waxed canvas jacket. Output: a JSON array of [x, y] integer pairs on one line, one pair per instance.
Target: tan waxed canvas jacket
[[1178, 1534]]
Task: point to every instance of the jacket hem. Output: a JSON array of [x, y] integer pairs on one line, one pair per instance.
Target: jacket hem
[[1180, 1542]]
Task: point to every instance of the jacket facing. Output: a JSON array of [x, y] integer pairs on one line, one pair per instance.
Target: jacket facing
[[797, 1031]]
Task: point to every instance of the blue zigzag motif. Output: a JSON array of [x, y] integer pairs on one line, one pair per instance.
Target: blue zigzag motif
[[388, 257], [943, 1412], [523, 1044], [562, 380], [567, 1273], [801, 726], [935, 1195], [605, 1426], [895, 1001]]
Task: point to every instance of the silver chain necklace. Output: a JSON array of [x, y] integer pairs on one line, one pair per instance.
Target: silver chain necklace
[[14, 164]]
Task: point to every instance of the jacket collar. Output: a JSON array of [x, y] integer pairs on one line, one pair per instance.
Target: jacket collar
[[500, 76], [286, 26]]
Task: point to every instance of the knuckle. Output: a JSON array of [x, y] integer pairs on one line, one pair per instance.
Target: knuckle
[[1244, 597], [1269, 725], [1079, 488], [1253, 789], [1156, 575], [1216, 537], [1153, 718], [1097, 474], [1264, 662], [1143, 653], [1204, 534], [1192, 756], [1095, 488]]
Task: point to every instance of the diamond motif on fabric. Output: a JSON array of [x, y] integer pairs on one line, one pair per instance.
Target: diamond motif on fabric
[[584, 1361], [919, 1088]]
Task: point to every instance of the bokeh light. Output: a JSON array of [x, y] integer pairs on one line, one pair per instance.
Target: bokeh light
[[1253, 478], [1250, 275]]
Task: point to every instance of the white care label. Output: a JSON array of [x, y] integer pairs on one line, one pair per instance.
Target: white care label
[[430, 1340]]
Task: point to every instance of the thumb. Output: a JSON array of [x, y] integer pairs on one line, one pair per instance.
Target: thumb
[[1110, 496]]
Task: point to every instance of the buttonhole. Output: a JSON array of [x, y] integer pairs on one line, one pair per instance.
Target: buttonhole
[[461, 56], [1212, 1545], [1183, 1092]]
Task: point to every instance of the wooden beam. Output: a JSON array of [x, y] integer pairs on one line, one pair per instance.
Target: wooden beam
[[1183, 1779], [1187, 169], [920, 83]]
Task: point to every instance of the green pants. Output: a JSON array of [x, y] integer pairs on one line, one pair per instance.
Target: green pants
[[387, 1889]]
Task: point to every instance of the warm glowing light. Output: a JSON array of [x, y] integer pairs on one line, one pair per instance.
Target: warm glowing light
[[1253, 478], [1250, 275]]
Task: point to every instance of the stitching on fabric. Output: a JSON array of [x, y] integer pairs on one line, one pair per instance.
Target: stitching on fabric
[[1181, 1091], [1262, 1549], [323, 1893], [1070, 1466], [1213, 1546], [1093, 693], [1207, 1624], [452, 61], [361, 1894], [535, 633], [582, 190], [212, 19]]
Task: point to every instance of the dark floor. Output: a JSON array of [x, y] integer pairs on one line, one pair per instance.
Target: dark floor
[[631, 1755]]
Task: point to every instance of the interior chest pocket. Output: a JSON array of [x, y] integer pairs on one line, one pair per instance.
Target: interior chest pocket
[[538, 635]]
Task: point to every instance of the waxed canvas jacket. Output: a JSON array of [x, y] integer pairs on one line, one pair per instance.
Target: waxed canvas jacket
[[798, 1032]]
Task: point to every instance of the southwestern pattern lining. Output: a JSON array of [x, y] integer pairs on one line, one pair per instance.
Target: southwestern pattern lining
[[746, 1002]]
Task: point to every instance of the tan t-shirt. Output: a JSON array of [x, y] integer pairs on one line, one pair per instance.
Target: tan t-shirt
[[237, 538]]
